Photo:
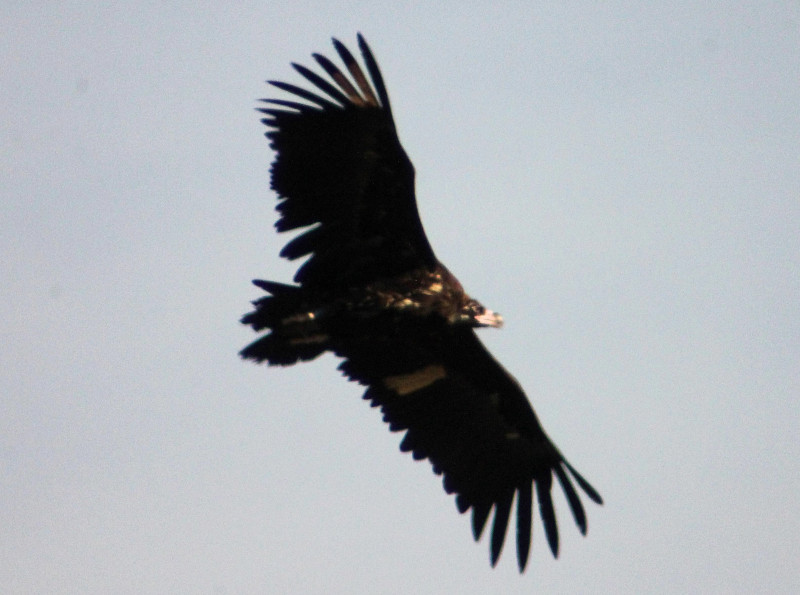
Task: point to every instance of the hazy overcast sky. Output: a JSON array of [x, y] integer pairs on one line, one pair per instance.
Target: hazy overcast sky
[[622, 183]]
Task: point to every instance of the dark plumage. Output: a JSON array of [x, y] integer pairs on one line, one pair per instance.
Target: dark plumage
[[373, 293]]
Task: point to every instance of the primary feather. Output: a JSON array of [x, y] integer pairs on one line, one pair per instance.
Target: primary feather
[[372, 292]]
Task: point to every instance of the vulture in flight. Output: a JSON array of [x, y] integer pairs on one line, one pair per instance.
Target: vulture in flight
[[372, 292]]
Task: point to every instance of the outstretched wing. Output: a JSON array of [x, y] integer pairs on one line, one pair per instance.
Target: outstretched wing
[[340, 168], [465, 413]]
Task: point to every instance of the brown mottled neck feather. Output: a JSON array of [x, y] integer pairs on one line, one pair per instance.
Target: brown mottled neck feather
[[426, 292]]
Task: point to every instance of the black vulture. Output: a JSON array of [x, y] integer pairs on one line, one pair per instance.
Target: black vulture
[[372, 292]]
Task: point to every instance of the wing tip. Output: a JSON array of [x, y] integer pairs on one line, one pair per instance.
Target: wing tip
[[524, 525], [548, 513], [593, 494]]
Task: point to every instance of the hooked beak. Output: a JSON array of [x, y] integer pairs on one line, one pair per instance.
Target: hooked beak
[[489, 318]]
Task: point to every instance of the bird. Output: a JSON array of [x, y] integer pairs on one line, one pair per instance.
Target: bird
[[372, 292]]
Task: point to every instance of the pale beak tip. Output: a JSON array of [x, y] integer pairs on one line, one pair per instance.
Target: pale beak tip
[[489, 318]]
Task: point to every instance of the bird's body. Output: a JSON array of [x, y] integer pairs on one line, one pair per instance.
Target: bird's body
[[373, 293]]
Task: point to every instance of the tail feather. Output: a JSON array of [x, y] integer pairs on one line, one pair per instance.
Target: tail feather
[[295, 330]]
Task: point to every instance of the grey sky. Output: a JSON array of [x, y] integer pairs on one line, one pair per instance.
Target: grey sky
[[621, 183]]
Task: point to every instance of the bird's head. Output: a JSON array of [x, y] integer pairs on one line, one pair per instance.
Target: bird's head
[[478, 315]]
